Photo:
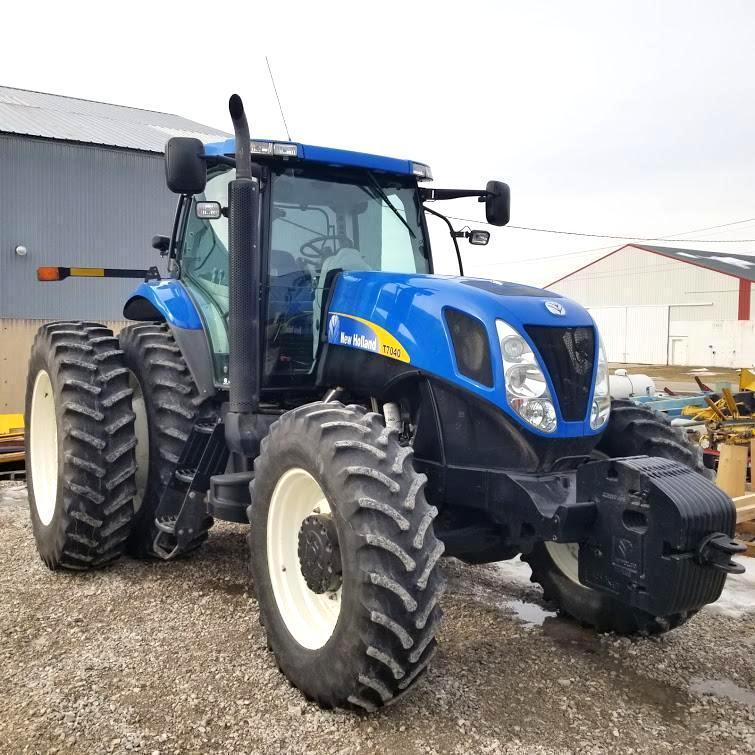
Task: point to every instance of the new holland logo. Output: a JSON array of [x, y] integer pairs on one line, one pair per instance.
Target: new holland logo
[[555, 308], [334, 326]]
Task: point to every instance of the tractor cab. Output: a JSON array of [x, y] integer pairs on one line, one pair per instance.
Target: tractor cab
[[319, 219]]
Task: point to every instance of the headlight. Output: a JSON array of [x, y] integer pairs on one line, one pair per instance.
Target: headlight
[[601, 404], [526, 381], [526, 387]]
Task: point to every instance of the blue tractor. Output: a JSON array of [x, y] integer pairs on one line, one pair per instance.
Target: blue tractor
[[303, 370]]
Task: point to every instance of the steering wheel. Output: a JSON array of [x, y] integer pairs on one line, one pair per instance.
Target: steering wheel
[[312, 251]]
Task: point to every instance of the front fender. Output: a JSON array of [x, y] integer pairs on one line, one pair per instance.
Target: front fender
[[166, 300]]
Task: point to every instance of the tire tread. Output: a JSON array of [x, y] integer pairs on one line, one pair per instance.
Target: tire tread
[[95, 428], [382, 502], [173, 404]]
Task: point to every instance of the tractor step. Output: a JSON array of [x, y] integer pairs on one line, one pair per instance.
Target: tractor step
[[185, 475], [230, 496], [167, 525], [181, 518], [205, 427]]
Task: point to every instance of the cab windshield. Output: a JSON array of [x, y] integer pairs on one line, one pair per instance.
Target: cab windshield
[[320, 222]]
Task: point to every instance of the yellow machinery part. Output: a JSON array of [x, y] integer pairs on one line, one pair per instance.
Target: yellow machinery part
[[11, 424], [731, 404], [746, 380]]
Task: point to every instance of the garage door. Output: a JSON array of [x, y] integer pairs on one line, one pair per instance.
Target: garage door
[[634, 334]]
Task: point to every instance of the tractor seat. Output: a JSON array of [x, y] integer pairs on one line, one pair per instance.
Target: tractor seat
[[283, 263], [290, 286]]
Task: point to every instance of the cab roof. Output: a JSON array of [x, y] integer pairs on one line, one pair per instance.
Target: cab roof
[[328, 155]]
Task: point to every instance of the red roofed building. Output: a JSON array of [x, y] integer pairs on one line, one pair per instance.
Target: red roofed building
[[662, 305]]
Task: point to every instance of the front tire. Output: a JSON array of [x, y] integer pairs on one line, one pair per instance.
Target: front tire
[[368, 636], [80, 446], [632, 431]]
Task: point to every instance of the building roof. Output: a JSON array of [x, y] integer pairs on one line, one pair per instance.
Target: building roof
[[736, 265], [74, 120]]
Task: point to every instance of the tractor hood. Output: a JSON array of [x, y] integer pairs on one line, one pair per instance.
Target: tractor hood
[[404, 317]]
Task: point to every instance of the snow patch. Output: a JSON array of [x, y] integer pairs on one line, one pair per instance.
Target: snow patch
[[515, 572], [738, 597]]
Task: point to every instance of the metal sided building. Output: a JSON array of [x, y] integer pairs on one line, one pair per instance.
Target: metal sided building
[[82, 184], [662, 305]]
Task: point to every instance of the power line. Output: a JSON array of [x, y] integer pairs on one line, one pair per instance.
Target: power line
[[275, 89], [620, 238], [667, 237], [556, 256], [712, 227]]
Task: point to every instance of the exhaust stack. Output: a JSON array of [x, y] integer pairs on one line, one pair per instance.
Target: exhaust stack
[[242, 137], [241, 421]]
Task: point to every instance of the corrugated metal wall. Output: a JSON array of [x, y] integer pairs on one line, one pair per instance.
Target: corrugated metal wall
[[16, 338], [633, 334], [636, 277], [76, 205]]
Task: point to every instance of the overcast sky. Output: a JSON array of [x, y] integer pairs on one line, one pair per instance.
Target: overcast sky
[[609, 117]]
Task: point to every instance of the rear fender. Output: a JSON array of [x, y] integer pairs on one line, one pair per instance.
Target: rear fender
[[168, 301]]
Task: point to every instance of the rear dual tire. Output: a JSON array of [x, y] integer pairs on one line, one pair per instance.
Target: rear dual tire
[[80, 446], [166, 404], [377, 635]]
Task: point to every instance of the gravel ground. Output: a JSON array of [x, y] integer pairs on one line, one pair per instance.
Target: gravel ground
[[170, 658]]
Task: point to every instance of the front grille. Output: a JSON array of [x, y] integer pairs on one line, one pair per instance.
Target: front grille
[[568, 354]]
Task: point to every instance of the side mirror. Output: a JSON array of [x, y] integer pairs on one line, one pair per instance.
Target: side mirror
[[478, 238], [497, 203], [185, 167], [208, 210], [161, 243]]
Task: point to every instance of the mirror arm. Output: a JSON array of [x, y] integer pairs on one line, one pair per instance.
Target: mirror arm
[[451, 231], [213, 160], [427, 194], [171, 254]]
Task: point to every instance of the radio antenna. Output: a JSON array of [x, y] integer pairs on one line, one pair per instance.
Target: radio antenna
[[275, 89]]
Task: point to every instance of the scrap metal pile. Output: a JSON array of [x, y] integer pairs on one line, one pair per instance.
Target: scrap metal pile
[[727, 418]]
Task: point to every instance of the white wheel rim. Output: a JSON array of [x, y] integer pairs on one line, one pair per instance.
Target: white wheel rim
[[566, 555], [44, 448], [309, 617], [141, 430], [566, 558]]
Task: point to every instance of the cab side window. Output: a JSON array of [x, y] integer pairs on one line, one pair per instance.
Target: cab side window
[[204, 269], [205, 243]]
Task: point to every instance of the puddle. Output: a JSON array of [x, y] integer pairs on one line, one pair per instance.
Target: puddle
[[229, 588], [529, 614], [670, 703], [233, 588], [567, 633], [723, 688]]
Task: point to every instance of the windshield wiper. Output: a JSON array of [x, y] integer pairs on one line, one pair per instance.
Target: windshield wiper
[[382, 195]]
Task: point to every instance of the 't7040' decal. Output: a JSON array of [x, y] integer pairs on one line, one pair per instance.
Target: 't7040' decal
[[357, 333]]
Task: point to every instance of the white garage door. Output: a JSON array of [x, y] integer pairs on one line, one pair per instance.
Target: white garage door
[[634, 334]]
